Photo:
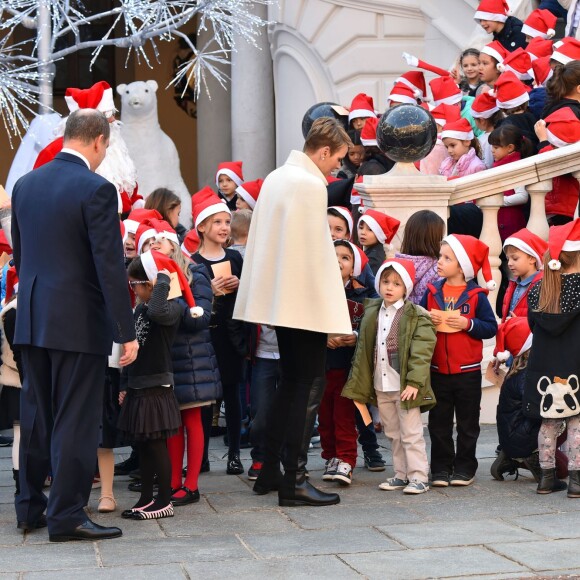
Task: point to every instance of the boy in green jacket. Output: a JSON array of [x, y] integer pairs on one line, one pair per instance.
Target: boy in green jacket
[[391, 369]]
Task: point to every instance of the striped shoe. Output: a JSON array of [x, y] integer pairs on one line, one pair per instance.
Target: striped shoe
[[166, 512], [130, 513]]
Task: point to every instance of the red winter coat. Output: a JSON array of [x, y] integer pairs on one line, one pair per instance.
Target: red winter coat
[[521, 307], [510, 219], [563, 198]]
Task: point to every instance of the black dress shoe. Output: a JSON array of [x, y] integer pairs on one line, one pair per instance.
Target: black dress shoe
[[28, 527], [269, 479], [304, 493], [126, 467], [189, 497], [87, 531]]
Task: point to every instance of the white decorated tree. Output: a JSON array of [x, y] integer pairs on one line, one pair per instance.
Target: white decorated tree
[[27, 68]]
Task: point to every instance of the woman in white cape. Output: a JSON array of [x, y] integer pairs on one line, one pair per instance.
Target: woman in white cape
[[291, 281]]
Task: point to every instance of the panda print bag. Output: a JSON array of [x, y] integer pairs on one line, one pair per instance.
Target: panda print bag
[[559, 399]]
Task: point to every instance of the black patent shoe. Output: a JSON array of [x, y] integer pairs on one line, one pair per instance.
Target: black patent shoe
[[305, 494], [234, 466], [88, 531], [191, 496]]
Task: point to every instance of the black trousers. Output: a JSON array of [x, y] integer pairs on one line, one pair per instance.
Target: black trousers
[[62, 404], [458, 395], [302, 362]]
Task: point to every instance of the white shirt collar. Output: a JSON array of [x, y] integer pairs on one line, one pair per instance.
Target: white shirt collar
[[74, 152], [397, 305]]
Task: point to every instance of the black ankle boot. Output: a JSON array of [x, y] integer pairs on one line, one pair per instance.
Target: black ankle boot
[[549, 482], [532, 463], [574, 483], [503, 464], [269, 479], [301, 492], [15, 475]]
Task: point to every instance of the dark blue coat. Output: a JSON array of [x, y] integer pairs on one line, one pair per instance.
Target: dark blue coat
[[195, 370], [68, 252]]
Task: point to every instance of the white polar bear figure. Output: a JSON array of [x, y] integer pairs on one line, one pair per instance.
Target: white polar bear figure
[[153, 152]]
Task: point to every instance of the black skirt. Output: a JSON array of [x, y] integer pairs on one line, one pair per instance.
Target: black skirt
[[151, 413], [9, 407]]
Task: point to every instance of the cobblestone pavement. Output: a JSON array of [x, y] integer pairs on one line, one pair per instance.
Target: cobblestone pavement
[[488, 530]]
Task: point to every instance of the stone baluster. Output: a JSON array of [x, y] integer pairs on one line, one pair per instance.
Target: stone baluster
[[490, 235], [538, 224]]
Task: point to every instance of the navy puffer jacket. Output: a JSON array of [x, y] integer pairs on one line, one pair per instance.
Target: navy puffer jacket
[[195, 368]]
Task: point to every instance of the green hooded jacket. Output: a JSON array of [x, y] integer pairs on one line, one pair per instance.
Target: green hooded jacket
[[417, 339]]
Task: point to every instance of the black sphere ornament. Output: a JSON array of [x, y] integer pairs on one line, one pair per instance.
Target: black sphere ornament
[[321, 110], [406, 133]]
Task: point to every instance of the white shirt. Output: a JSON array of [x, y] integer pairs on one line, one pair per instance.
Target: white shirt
[[386, 377], [79, 155]]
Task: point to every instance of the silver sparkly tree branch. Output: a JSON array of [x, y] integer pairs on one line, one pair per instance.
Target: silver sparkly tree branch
[[135, 25]]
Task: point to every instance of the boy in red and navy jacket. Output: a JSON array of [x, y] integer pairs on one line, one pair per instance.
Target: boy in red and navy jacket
[[456, 363]]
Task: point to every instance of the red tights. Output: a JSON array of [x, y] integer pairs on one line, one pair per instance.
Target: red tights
[[191, 419]]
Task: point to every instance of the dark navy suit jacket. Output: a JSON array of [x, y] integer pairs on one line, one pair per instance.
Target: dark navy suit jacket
[[72, 292]]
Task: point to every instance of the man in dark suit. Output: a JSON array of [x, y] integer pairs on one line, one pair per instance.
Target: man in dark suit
[[73, 302]]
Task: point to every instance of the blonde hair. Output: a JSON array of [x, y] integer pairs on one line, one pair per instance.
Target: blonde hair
[[178, 257], [240, 225], [326, 131], [519, 363], [551, 287]]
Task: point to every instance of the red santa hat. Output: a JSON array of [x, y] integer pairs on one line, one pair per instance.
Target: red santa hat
[[154, 229], [414, 61], [542, 71], [346, 214], [460, 129], [538, 47], [445, 90], [484, 106], [540, 24], [567, 52], [473, 256], [354, 194], [519, 62], [405, 269], [509, 91], [360, 258], [99, 96], [529, 243], [249, 191], [563, 127], [564, 238], [401, 93], [137, 216], [11, 283], [124, 232], [382, 225], [513, 338], [445, 114], [496, 50], [368, 134], [190, 243], [233, 169], [206, 203], [154, 261], [144, 232], [415, 80], [494, 10], [362, 106]]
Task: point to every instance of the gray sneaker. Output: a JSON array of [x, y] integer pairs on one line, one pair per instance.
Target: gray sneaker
[[343, 473], [416, 487], [393, 484], [330, 468]]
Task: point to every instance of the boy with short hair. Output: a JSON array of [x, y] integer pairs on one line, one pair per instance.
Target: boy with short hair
[[456, 364], [240, 225], [390, 369]]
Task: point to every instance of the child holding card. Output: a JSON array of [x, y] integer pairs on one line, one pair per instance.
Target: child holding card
[[463, 318], [212, 220], [391, 368]]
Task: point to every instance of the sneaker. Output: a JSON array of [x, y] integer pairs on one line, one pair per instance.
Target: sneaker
[[315, 439], [416, 487], [234, 466], [374, 461], [330, 469], [343, 473], [254, 471], [461, 480], [503, 464], [440, 479], [7, 441], [393, 484]]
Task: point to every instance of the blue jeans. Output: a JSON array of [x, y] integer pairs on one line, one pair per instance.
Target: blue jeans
[[265, 379]]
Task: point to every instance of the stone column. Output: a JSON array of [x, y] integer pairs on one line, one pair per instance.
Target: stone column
[[214, 123], [252, 104], [538, 224]]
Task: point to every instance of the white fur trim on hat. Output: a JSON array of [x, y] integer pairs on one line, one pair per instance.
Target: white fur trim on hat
[[493, 53], [360, 113], [146, 235], [525, 248], [149, 266], [489, 16], [461, 255], [451, 100], [520, 100], [400, 269], [185, 251], [529, 31], [375, 227], [369, 142], [571, 246], [520, 75], [246, 196], [561, 58], [131, 226], [527, 345], [211, 210], [416, 90], [484, 114], [171, 236], [461, 135], [555, 141], [345, 215], [402, 99], [231, 174]]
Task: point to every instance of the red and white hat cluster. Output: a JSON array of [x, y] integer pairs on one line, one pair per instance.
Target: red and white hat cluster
[[509, 91], [382, 225], [137, 216], [405, 269], [460, 129], [563, 127], [154, 229], [206, 203], [528, 243], [540, 24], [514, 337], [233, 169], [473, 256], [564, 238], [249, 191], [99, 96], [368, 134], [484, 106]]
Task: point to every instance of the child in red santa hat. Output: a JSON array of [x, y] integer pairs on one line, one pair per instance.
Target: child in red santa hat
[[375, 229], [494, 17], [228, 177]]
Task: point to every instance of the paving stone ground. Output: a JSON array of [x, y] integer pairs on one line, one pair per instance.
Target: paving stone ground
[[488, 530]]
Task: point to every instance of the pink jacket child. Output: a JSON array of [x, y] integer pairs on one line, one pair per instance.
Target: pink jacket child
[[465, 165]]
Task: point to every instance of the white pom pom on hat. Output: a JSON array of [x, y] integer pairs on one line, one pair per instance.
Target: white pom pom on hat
[[513, 338], [564, 238]]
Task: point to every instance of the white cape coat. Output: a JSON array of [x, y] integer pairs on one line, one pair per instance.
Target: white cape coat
[[291, 276]]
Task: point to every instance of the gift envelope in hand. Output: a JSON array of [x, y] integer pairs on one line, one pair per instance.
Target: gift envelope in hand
[[223, 269], [446, 315]]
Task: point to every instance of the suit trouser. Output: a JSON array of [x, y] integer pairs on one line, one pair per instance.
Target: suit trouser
[[61, 408]]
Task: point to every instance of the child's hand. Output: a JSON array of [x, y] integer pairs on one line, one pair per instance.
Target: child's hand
[[348, 339], [409, 393], [122, 395], [333, 343], [496, 363], [218, 286], [541, 131], [436, 317], [231, 283], [459, 322]]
